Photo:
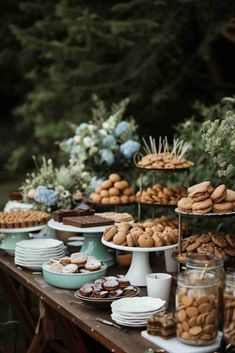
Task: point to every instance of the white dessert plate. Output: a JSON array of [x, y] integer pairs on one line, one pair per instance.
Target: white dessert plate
[[39, 252], [116, 317], [173, 345], [60, 226], [30, 267], [137, 316], [40, 257], [129, 324], [137, 305], [39, 244]]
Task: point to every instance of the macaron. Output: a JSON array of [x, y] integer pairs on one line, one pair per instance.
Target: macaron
[[185, 204], [202, 207], [230, 196], [222, 207], [219, 193]]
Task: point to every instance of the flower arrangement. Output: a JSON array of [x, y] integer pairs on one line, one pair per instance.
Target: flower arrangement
[[49, 187], [219, 139], [107, 143]]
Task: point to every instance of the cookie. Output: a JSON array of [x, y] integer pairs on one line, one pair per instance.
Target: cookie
[[230, 196], [219, 241], [219, 193], [56, 267], [110, 232], [222, 207], [202, 207], [78, 258], [106, 184], [110, 285], [185, 204], [114, 192], [70, 268], [129, 239], [114, 178], [231, 240], [119, 238], [65, 260], [93, 265], [145, 241]]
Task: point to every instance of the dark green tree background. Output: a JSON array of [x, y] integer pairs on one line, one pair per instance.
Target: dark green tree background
[[163, 54]]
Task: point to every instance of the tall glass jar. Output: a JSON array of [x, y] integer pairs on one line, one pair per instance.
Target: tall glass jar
[[196, 307], [229, 308], [214, 264]]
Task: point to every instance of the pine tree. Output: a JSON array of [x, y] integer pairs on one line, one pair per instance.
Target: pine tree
[[159, 53]]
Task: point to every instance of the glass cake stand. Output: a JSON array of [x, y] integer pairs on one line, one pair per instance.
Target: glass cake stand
[[11, 236], [92, 240], [140, 266]]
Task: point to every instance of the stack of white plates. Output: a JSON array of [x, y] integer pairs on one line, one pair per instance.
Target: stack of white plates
[[33, 253], [134, 312]]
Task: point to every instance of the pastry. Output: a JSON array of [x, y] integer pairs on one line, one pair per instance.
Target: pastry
[[110, 232], [200, 191], [219, 194], [145, 241], [78, 258], [162, 324], [22, 219], [230, 196], [65, 260], [70, 268], [87, 221], [123, 281], [110, 285], [185, 204], [159, 194], [219, 241], [113, 191], [231, 240], [60, 214], [117, 217], [56, 267], [93, 265], [202, 207], [222, 207]]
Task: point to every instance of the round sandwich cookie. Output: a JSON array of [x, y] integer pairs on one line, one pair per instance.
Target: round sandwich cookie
[[70, 268], [222, 207], [230, 196], [110, 232], [202, 207], [201, 188], [78, 258], [219, 194], [185, 204]]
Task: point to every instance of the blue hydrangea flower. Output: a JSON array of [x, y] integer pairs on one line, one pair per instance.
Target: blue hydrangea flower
[[109, 141], [122, 127], [46, 196], [107, 156], [81, 128], [70, 141], [95, 182], [129, 148]]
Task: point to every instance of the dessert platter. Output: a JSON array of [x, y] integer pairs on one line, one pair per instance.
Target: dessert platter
[[16, 226], [140, 239], [105, 290], [71, 272]]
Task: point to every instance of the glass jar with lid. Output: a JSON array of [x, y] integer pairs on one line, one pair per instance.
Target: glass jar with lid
[[229, 308], [196, 307], [214, 263]]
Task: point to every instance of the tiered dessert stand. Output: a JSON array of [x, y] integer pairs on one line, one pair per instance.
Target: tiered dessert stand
[[92, 244], [140, 266], [196, 215], [13, 235]]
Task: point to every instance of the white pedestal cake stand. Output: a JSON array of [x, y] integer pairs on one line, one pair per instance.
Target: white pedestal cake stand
[[92, 240], [14, 235], [140, 266]]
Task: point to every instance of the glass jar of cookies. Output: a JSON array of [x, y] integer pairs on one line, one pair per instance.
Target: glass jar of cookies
[[229, 308], [196, 307], [214, 264]]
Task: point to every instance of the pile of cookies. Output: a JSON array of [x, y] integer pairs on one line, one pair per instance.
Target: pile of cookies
[[108, 287], [113, 191], [162, 195], [196, 315], [229, 315], [76, 263], [147, 234], [22, 219], [162, 324], [170, 222], [204, 198], [207, 244], [164, 160]]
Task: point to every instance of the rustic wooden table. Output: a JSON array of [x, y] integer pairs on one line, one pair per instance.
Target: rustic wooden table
[[60, 320]]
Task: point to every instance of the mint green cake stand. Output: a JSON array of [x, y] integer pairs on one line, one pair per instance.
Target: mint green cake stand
[[92, 240], [11, 236]]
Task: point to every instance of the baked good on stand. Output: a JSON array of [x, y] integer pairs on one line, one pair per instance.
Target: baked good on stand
[[160, 156], [113, 191], [22, 219], [144, 234], [161, 195], [208, 243], [203, 198], [60, 214], [162, 324]]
